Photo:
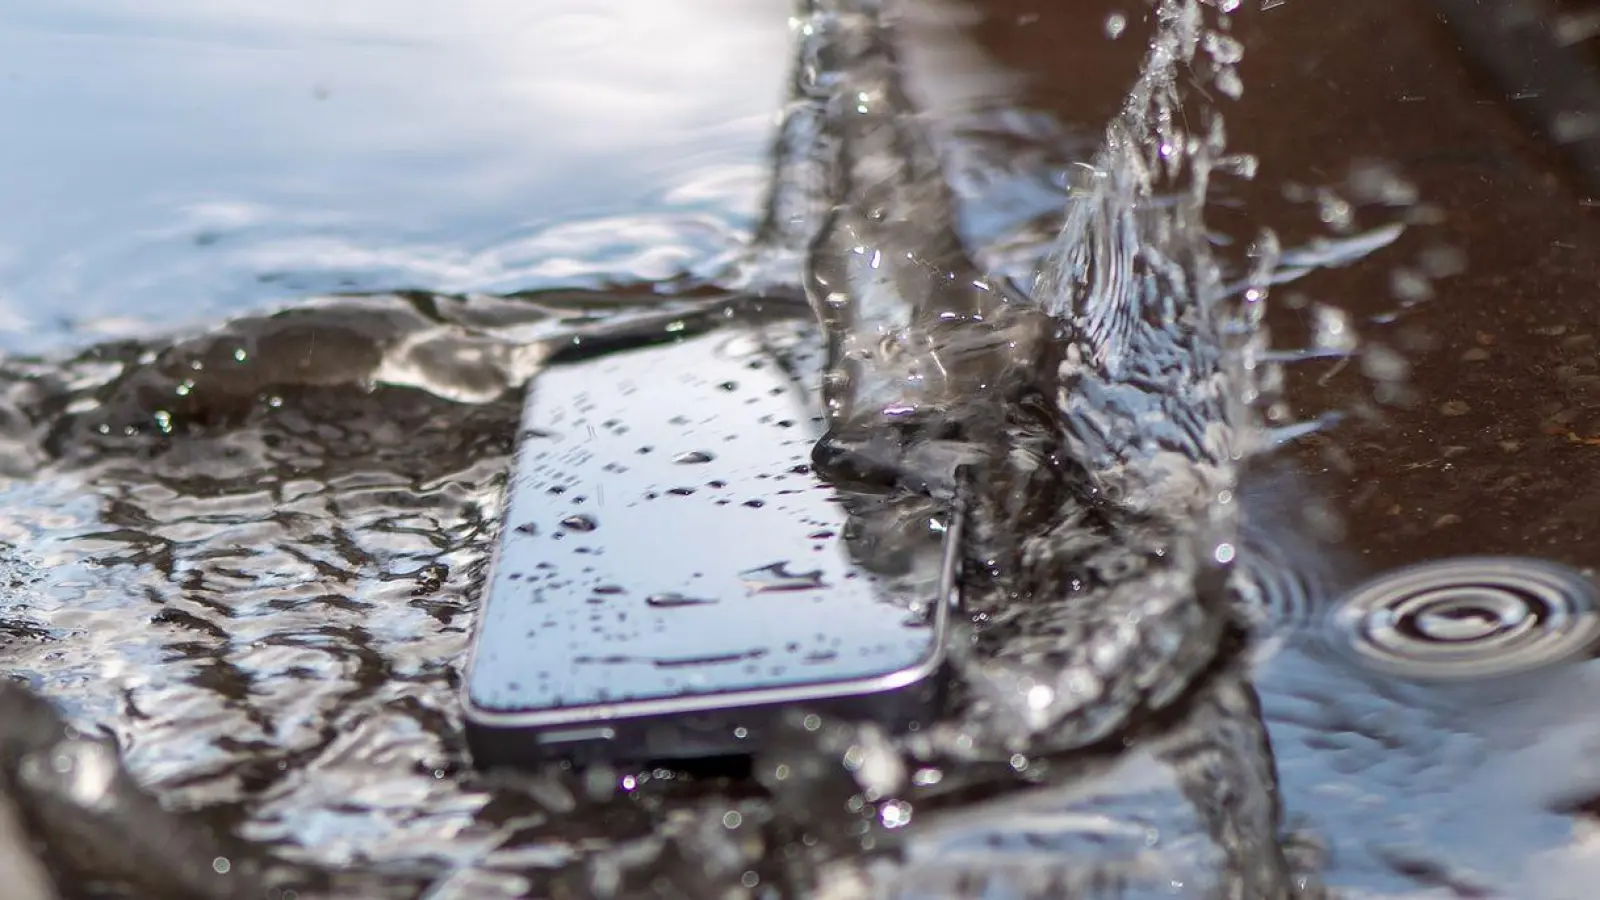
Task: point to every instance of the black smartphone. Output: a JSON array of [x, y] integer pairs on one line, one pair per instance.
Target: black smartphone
[[670, 574]]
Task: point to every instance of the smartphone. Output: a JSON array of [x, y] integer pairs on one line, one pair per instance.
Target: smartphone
[[670, 575]]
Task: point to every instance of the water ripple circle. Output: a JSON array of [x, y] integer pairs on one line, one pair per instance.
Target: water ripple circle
[[1471, 617]]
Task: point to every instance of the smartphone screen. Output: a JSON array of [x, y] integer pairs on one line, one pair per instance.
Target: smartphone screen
[[667, 551]]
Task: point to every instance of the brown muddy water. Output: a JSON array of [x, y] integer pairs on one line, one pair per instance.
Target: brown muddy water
[[272, 280]]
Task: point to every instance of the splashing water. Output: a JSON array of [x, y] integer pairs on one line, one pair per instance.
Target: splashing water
[[1155, 372], [1125, 390], [1127, 397], [1154, 389], [915, 332], [1098, 428]]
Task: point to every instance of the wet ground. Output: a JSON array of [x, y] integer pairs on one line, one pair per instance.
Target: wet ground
[[248, 547]]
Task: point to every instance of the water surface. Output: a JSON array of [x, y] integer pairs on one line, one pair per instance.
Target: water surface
[[248, 547]]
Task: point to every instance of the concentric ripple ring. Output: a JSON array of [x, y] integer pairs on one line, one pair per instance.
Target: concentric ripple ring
[[1471, 617]]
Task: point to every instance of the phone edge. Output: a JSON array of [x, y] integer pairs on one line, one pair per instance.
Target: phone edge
[[918, 687]]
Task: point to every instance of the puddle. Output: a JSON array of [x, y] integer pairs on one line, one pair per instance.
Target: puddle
[[221, 163], [249, 485]]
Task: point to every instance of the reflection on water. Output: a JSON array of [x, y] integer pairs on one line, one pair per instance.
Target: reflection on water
[[172, 163], [251, 557]]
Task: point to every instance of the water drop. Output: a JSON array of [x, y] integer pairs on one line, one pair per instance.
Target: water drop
[[600, 783], [1335, 211], [1410, 285], [777, 577], [1225, 50], [1332, 329], [580, 522], [1374, 181], [1242, 165], [693, 457], [895, 814], [1116, 24], [1383, 364], [1229, 83], [1040, 696], [672, 600]]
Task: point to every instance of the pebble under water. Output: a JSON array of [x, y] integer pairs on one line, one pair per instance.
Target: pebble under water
[[243, 564]]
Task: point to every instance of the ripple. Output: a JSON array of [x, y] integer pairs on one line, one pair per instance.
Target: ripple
[[1471, 618], [1273, 595]]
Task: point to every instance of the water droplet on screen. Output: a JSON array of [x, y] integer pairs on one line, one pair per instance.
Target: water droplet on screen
[[580, 522], [693, 457], [671, 600], [777, 577]]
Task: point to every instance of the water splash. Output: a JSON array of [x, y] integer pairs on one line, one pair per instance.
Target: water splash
[[912, 325], [1157, 371], [1124, 471], [298, 701]]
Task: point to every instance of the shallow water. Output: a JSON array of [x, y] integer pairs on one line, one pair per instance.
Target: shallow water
[[247, 546], [215, 163]]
